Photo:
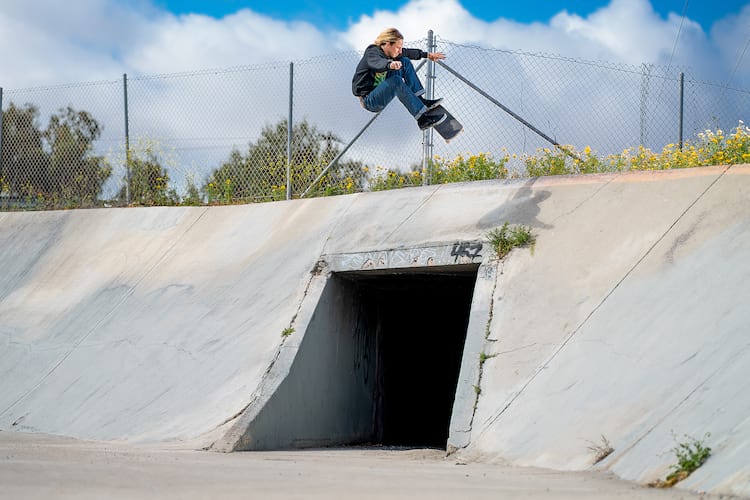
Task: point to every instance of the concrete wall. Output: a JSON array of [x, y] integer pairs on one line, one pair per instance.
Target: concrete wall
[[627, 319], [321, 391]]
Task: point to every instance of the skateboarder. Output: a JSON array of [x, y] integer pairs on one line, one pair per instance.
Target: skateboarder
[[385, 71]]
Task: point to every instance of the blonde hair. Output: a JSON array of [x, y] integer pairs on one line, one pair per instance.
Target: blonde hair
[[390, 35]]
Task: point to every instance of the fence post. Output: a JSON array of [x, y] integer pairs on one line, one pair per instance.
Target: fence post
[[682, 104], [1, 132], [427, 145], [289, 134], [645, 84], [127, 139]]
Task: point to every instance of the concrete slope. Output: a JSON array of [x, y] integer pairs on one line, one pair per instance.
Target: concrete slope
[[147, 324], [628, 322], [625, 320]]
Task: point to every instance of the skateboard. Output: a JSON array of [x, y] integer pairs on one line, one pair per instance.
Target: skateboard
[[448, 128]]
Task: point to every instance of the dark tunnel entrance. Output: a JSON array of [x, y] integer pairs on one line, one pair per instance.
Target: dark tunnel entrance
[[417, 321], [378, 363]]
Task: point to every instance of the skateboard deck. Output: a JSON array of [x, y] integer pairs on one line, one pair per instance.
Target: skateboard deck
[[448, 128]]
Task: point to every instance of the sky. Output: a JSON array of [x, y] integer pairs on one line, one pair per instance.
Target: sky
[[338, 15], [48, 42]]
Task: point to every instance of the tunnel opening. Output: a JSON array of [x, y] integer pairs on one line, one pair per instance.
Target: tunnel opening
[[378, 364], [416, 324]]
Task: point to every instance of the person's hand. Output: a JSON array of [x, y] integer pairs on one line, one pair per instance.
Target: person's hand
[[435, 56], [395, 65]]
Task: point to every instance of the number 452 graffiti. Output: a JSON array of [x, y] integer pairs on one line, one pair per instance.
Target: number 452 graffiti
[[468, 249]]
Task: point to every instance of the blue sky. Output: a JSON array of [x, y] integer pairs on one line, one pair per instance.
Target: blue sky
[[338, 15]]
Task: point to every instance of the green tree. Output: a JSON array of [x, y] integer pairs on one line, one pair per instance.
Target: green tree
[[23, 158], [260, 174], [148, 181], [74, 172], [56, 166]]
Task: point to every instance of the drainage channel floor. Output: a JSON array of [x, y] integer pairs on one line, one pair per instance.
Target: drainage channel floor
[[36, 466]]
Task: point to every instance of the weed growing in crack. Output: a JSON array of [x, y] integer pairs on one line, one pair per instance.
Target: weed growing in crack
[[601, 451], [506, 238], [483, 356], [287, 332], [690, 454]]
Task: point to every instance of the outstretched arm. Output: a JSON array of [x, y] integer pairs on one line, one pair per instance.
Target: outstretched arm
[[415, 54]]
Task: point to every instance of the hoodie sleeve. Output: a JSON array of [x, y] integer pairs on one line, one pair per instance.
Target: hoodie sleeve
[[414, 54]]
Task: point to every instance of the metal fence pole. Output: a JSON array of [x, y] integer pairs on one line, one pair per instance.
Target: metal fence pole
[[290, 123], [1, 131], [645, 84], [127, 138], [427, 145], [682, 104]]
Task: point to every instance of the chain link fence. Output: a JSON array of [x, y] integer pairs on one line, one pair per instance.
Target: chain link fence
[[223, 136]]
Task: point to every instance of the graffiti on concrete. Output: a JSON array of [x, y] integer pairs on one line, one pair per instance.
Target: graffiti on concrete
[[466, 250], [460, 252]]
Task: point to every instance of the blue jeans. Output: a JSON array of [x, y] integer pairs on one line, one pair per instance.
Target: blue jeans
[[404, 84]]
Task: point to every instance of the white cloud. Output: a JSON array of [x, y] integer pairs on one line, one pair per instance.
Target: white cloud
[[627, 30], [50, 42], [446, 17], [196, 41], [730, 38]]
